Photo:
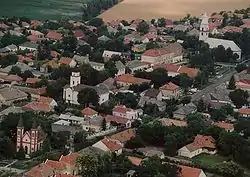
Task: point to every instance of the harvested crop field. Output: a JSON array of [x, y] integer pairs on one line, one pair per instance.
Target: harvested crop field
[[174, 9], [41, 9]]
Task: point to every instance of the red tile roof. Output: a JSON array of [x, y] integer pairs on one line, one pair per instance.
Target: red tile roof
[[245, 111], [54, 53], [32, 80], [170, 86], [78, 33], [35, 23], [168, 67], [112, 145], [189, 171], [135, 160], [24, 59], [128, 78], [37, 106], [54, 35], [231, 29], [55, 164], [45, 100], [150, 36], [88, 111], [225, 125], [201, 141], [40, 170], [64, 175], [70, 158], [124, 136], [3, 26], [65, 60], [156, 52], [191, 72], [10, 78], [33, 38], [119, 120], [121, 108]]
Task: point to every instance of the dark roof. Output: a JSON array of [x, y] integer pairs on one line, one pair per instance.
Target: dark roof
[[152, 93]]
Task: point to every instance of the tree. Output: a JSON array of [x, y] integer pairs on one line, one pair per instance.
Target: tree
[[7, 148], [162, 22], [88, 164], [80, 140], [27, 74], [111, 68], [185, 100], [201, 107], [159, 77], [230, 169], [104, 124], [69, 43], [231, 84], [88, 96], [196, 123], [97, 22], [152, 45], [134, 143], [20, 155], [213, 131], [15, 70], [8, 60], [143, 27], [84, 50], [239, 97], [44, 51], [218, 114]]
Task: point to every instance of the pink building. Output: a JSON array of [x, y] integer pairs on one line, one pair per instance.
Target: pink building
[[31, 140]]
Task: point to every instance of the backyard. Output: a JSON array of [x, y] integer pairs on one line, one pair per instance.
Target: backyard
[[209, 160]]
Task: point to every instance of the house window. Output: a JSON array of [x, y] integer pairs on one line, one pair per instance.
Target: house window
[[68, 95], [32, 149], [73, 82]]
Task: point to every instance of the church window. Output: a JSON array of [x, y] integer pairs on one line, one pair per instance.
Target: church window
[[201, 33], [33, 134], [73, 82], [68, 95], [26, 140], [32, 149]]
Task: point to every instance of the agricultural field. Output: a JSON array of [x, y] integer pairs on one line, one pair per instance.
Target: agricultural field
[[42, 9], [174, 9]]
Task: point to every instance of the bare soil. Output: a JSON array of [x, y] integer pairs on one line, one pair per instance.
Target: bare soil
[[174, 9]]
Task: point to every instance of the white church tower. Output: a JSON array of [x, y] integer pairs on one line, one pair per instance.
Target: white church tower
[[75, 79], [204, 28]]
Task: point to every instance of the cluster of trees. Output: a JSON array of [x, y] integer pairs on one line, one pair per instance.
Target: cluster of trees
[[110, 165], [93, 8], [12, 39], [239, 97]]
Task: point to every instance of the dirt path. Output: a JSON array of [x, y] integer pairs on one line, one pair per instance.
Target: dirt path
[[175, 9]]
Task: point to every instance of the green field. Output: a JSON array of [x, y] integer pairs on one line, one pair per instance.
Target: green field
[[42, 9]]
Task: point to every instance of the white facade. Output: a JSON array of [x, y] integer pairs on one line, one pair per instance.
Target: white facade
[[167, 58], [185, 152], [70, 95], [126, 113], [214, 42]]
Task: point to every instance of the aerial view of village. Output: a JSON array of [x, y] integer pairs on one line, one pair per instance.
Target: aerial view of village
[[125, 88]]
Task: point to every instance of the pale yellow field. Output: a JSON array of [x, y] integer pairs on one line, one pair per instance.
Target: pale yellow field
[[174, 9]]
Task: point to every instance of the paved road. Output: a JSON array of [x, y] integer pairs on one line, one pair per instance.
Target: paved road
[[217, 81]]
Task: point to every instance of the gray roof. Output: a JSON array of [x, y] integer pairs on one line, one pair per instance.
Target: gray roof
[[29, 45], [11, 94], [135, 63], [219, 93], [104, 38], [187, 109], [119, 65], [152, 93], [11, 109], [99, 89], [108, 83], [65, 128], [92, 63], [214, 42], [22, 66], [8, 48], [193, 32], [81, 59], [111, 29], [96, 121]]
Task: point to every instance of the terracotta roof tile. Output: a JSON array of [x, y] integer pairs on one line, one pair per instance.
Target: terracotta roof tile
[[191, 72], [40, 170], [65, 60], [170, 86], [225, 125], [54, 53], [244, 111], [78, 33], [32, 80], [64, 175], [54, 35], [119, 120], [201, 141], [37, 106], [10, 78], [124, 136], [128, 78], [135, 160], [156, 52], [55, 164], [112, 145], [70, 158], [189, 171], [168, 67], [45, 100], [88, 111], [121, 108]]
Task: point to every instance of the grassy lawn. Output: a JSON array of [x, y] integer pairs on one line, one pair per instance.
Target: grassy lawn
[[43, 10], [209, 160]]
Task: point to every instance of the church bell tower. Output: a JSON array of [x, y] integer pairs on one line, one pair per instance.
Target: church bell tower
[[204, 28]]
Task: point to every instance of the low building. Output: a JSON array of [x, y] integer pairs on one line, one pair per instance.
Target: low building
[[117, 121], [9, 95], [173, 122], [170, 90], [120, 68], [152, 152], [28, 46], [186, 171], [89, 112], [184, 111], [95, 124], [97, 66], [123, 111], [124, 136], [67, 61], [52, 35], [244, 112], [201, 144], [128, 79], [71, 118], [226, 126], [109, 145], [136, 65], [107, 55]]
